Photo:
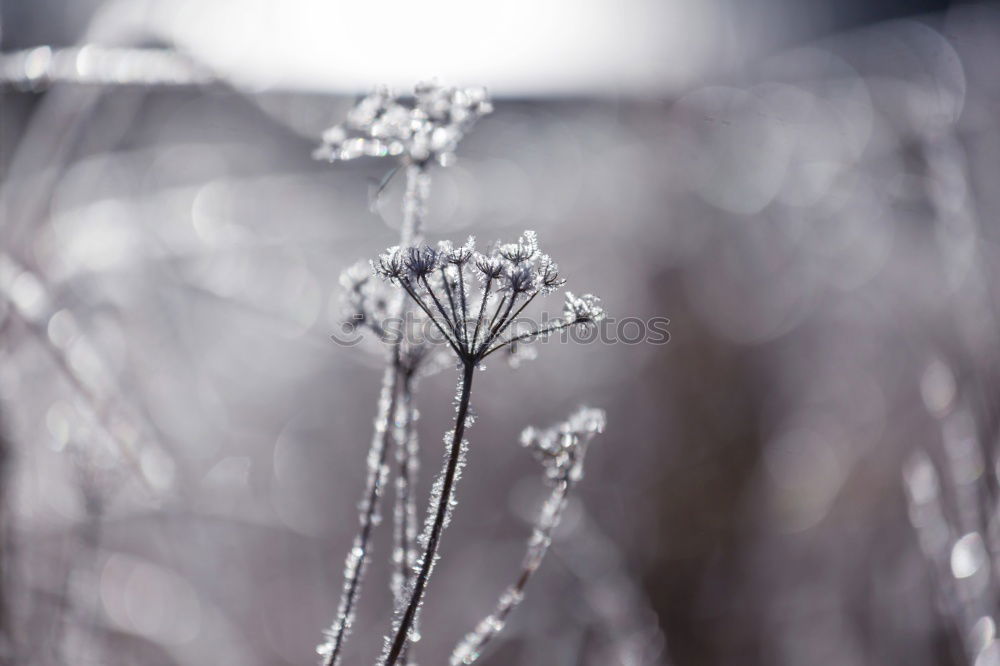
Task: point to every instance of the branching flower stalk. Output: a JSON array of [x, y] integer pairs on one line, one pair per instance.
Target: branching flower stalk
[[439, 281], [417, 134], [561, 450]]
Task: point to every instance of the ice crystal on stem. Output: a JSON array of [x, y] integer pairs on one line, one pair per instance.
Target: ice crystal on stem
[[439, 281], [561, 450]]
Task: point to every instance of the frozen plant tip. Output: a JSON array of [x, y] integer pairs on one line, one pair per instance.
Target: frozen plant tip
[[440, 281], [474, 323], [367, 306], [425, 128], [561, 450]]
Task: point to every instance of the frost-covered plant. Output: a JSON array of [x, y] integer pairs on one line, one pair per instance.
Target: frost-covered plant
[[440, 281], [474, 324], [415, 134], [367, 303], [427, 127], [560, 449], [367, 306], [417, 131]]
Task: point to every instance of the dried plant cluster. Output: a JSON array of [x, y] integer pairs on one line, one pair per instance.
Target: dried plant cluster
[[470, 299]]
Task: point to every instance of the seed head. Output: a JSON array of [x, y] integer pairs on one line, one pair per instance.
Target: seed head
[[366, 299], [426, 127], [560, 448], [389, 265], [520, 279], [548, 275], [490, 267], [584, 309], [421, 261], [523, 250], [458, 256]]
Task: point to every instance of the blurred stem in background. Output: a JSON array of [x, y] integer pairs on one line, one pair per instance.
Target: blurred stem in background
[[394, 377]]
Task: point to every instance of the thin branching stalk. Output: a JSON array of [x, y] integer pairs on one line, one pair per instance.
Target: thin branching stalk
[[561, 450], [521, 272], [414, 210], [418, 190], [357, 558], [471, 647]]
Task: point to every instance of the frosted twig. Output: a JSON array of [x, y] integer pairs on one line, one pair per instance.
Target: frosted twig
[[372, 308], [561, 450]]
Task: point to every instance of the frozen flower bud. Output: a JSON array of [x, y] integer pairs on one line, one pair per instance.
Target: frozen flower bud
[[489, 267], [548, 275], [520, 279], [584, 309], [459, 256], [523, 250], [421, 261], [561, 447], [366, 300], [389, 265]]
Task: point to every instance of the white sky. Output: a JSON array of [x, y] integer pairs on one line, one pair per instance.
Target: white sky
[[511, 46]]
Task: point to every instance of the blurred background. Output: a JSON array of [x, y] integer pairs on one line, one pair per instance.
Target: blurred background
[[805, 475]]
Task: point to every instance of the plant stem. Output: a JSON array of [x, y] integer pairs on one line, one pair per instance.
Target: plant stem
[[471, 647], [357, 559], [414, 208], [404, 554], [443, 503], [418, 186]]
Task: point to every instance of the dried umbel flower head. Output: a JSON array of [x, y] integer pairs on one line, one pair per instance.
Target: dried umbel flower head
[[561, 447], [368, 306], [440, 281], [425, 128], [367, 302], [585, 309]]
